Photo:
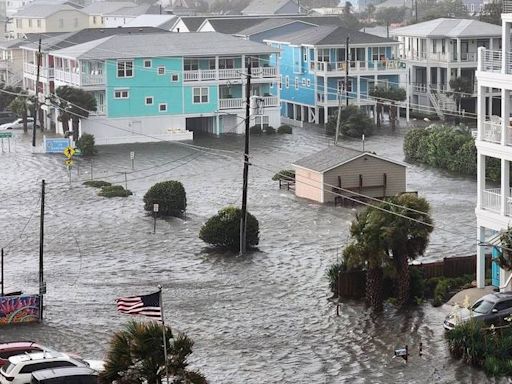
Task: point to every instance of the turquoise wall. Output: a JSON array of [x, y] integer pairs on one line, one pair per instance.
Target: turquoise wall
[[211, 106]]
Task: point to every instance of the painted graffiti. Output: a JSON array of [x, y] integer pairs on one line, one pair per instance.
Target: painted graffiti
[[19, 309]]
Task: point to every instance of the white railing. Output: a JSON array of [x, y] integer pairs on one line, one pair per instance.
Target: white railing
[[419, 88], [200, 75], [270, 101], [356, 66], [264, 71], [232, 73], [491, 61], [469, 56], [491, 199], [4, 64], [44, 72], [231, 103], [507, 6], [92, 79], [491, 131], [67, 77]]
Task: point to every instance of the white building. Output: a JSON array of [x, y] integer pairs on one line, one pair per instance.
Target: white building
[[494, 141], [439, 50]]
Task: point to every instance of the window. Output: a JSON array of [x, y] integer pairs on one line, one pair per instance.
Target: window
[[378, 53], [225, 63], [443, 46], [175, 77], [434, 46], [162, 107], [280, 81], [61, 23], [147, 64], [94, 19], [30, 23], [296, 82], [125, 68], [200, 95], [261, 120], [38, 23], [287, 82], [211, 63], [161, 70], [149, 100], [308, 82], [121, 94], [323, 55], [342, 88], [29, 368], [303, 82], [190, 65], [507, 304]]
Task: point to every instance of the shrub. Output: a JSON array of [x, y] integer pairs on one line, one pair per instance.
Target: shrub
[[114, 191], [170, 197], [255, 130], [284, 129], [332, 274], [416, 285], [97, 183], [270, 130], [354, 122], [86, 145], [223, 229], [284, 174]]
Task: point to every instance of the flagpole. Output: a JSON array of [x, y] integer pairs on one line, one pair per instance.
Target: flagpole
[[163, 334]]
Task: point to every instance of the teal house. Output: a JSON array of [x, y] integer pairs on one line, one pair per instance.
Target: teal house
[[318, 72], [166, 86]]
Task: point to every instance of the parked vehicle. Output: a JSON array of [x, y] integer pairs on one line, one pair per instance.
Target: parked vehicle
[[18, 124], [18, 348], [20, 368], [7, 117], [77, 375], [493, 308]]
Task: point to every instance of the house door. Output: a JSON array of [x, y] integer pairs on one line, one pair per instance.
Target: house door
[[495, 270]]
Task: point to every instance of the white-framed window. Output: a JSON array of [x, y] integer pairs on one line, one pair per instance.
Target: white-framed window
[[323, 55], [161, 70], [121, 93], [296, 82], [303, 82], [308, 83], [18, 23], [148, 63], [162, 107], [175, 77], [280, 81], [38, 23], [148, 100], [305, 54], [125, 68], [94, 19], [287, 81], [226, 63], [190, 65], [341, 86], [261, 120], [200, 95]]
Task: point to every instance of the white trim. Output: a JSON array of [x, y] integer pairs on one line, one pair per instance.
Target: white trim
[[160, 67], [201, 95], [177, 77], [126, 61], [121, 90], [145, 61], [146, 100], [160, 105]]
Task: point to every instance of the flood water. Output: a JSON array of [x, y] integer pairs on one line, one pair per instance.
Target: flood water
[[264, 318]]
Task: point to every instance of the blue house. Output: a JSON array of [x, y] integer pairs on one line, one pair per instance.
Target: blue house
[[169, 85], [313, 70]]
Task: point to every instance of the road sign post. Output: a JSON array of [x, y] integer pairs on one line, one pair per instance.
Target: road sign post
[[155, 211]]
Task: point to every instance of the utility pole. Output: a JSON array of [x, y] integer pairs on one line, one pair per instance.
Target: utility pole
[[243, 219], [42, 288], [347, 63], [2, 271], [37, 93], [338, 121], [416, 9]]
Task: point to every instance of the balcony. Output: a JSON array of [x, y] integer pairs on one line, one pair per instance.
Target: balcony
[[228, 74], [491, 130], [491, 201], [78, 79], [507, 6], [31, 69], [339, 67], [239, 103], [4, 65]]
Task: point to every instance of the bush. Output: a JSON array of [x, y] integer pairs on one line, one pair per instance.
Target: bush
[[114, 191], [332, 274], [284, 129], [97, 183], [255, 130], [270, 130], [354, 122], [223, 229], [170, 197], [86, 145], [284, 174], [416, 285]]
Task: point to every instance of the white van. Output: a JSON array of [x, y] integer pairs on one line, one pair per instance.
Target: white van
[[77, 375]]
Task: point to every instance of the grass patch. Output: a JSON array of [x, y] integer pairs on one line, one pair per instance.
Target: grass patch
[[97, 183], [114, 191]]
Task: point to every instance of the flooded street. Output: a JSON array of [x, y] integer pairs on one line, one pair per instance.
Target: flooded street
[[264, 318]]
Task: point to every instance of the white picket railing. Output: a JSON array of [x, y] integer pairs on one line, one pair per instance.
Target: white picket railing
[[491, 131], [231, 103], [491, 199]]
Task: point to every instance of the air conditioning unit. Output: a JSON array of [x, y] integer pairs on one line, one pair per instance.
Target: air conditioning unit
[[474, 133]]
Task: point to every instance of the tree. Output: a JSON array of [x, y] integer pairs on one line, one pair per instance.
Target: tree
[[8, 96], [460, 88], [223, 229], [20, 105], [74, 104], [136, 356], [390, 15], [491, 13], [440, 9], [170, 197], [354, 122], [391, 95]]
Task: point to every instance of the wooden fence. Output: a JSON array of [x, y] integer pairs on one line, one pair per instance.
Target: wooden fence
[[352, 284]]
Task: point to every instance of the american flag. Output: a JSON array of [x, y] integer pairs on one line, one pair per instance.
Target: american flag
[[146, 305]]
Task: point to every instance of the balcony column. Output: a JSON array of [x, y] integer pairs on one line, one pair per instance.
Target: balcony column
[[491, 44], [505, 115], [505, 186], [480, 257], [448, 77], [480, 179], [505, 44], [438, 78], [459, 51], [480, 102], [429, 77], [217, 67], [358, 89]]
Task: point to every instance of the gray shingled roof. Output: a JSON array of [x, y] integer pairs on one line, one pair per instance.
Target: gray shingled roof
[[268, 25], [42, 11], [135, 11], [192, 22], [103, 7], [449, 28], [234, 25], [330, 35], [334, 156], [264, 7], [164, 45]]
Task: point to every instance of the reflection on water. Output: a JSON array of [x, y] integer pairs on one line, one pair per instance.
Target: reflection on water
[[261, 319]]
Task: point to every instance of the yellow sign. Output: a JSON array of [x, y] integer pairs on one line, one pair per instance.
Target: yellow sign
[[69, 152], [68, 162]]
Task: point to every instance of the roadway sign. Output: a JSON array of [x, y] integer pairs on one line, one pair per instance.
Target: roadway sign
[[55, 145], [5, 135], [69, 152], [68, 162]]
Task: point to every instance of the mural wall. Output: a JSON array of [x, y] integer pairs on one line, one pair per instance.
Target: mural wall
[[19, 309]]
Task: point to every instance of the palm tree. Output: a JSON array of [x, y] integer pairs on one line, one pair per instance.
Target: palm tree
[[391, 95], [136, 356], [74, 104], [20, 105]]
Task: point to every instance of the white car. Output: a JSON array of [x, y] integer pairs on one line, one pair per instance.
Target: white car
[[18, 124], [20, 367]]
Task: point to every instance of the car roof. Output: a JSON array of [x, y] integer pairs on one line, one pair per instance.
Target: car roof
[[10, 345], [63, 372], [46, 355], [498, 296]]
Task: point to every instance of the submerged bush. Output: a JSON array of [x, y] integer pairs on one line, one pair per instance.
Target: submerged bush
[[284, 174], [255, 130], [223, 229], [284, 129], [114, 191], [86, 145], [170, 197], [270, 130], [97, 183]]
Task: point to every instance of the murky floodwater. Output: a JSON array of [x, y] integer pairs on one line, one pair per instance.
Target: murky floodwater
[[264, 318]]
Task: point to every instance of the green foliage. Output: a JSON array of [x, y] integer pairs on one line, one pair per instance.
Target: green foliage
[[170, 197], [270, 130], [504, 259], [417, 285], [354, 122], [461, 88], [444, 8], [447, 147], [491, 13], [97, 183], [284, 129], [284, 174], [86, 145], [223, 229], [439, 289], [333, 272], [74, 104], [390, 15], [7, 97], [114, 191], [255, 130]]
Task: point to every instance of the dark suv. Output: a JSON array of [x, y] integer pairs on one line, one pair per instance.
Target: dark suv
[[14, 348], [493, 308]]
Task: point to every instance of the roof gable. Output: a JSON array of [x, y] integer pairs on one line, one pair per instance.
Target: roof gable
[[451, 28]]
